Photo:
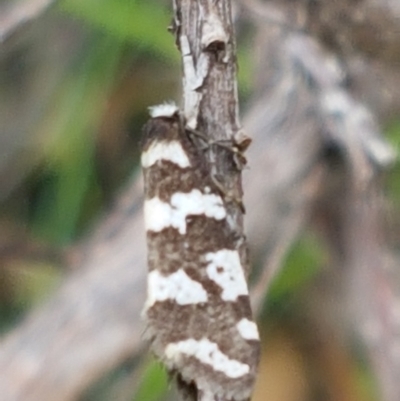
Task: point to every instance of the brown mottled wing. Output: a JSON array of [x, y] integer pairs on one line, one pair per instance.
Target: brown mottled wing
[[197, 309]]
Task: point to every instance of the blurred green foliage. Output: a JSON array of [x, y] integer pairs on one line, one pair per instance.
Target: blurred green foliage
[[154, 382], [134, 21], [393, 183], [69, 177], [303, 262], [23, 284], [69, 155]]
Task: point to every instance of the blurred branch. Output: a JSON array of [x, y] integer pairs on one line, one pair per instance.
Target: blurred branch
[[92, 323], [373, 285], [264, 12], [312, 80], [14, 17], [17, 244]]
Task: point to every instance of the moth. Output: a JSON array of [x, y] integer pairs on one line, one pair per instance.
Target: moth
[[197, 309]]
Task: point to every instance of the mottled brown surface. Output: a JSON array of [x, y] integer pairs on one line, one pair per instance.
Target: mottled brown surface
[[166, 178], [169, 251]]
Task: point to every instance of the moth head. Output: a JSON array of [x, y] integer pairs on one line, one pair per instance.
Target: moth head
[[164, 110]]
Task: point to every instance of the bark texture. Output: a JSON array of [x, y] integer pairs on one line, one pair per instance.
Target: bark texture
[[205, 36]]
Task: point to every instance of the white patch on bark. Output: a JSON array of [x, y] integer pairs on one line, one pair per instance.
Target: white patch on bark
[[248, 329], [213, 30], [160, 215], [178, 287], [208, 353], [165, 150], [225, 269], [193, 79]]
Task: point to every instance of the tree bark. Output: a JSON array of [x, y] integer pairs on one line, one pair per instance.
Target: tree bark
[[204, 34], [205, 37]]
